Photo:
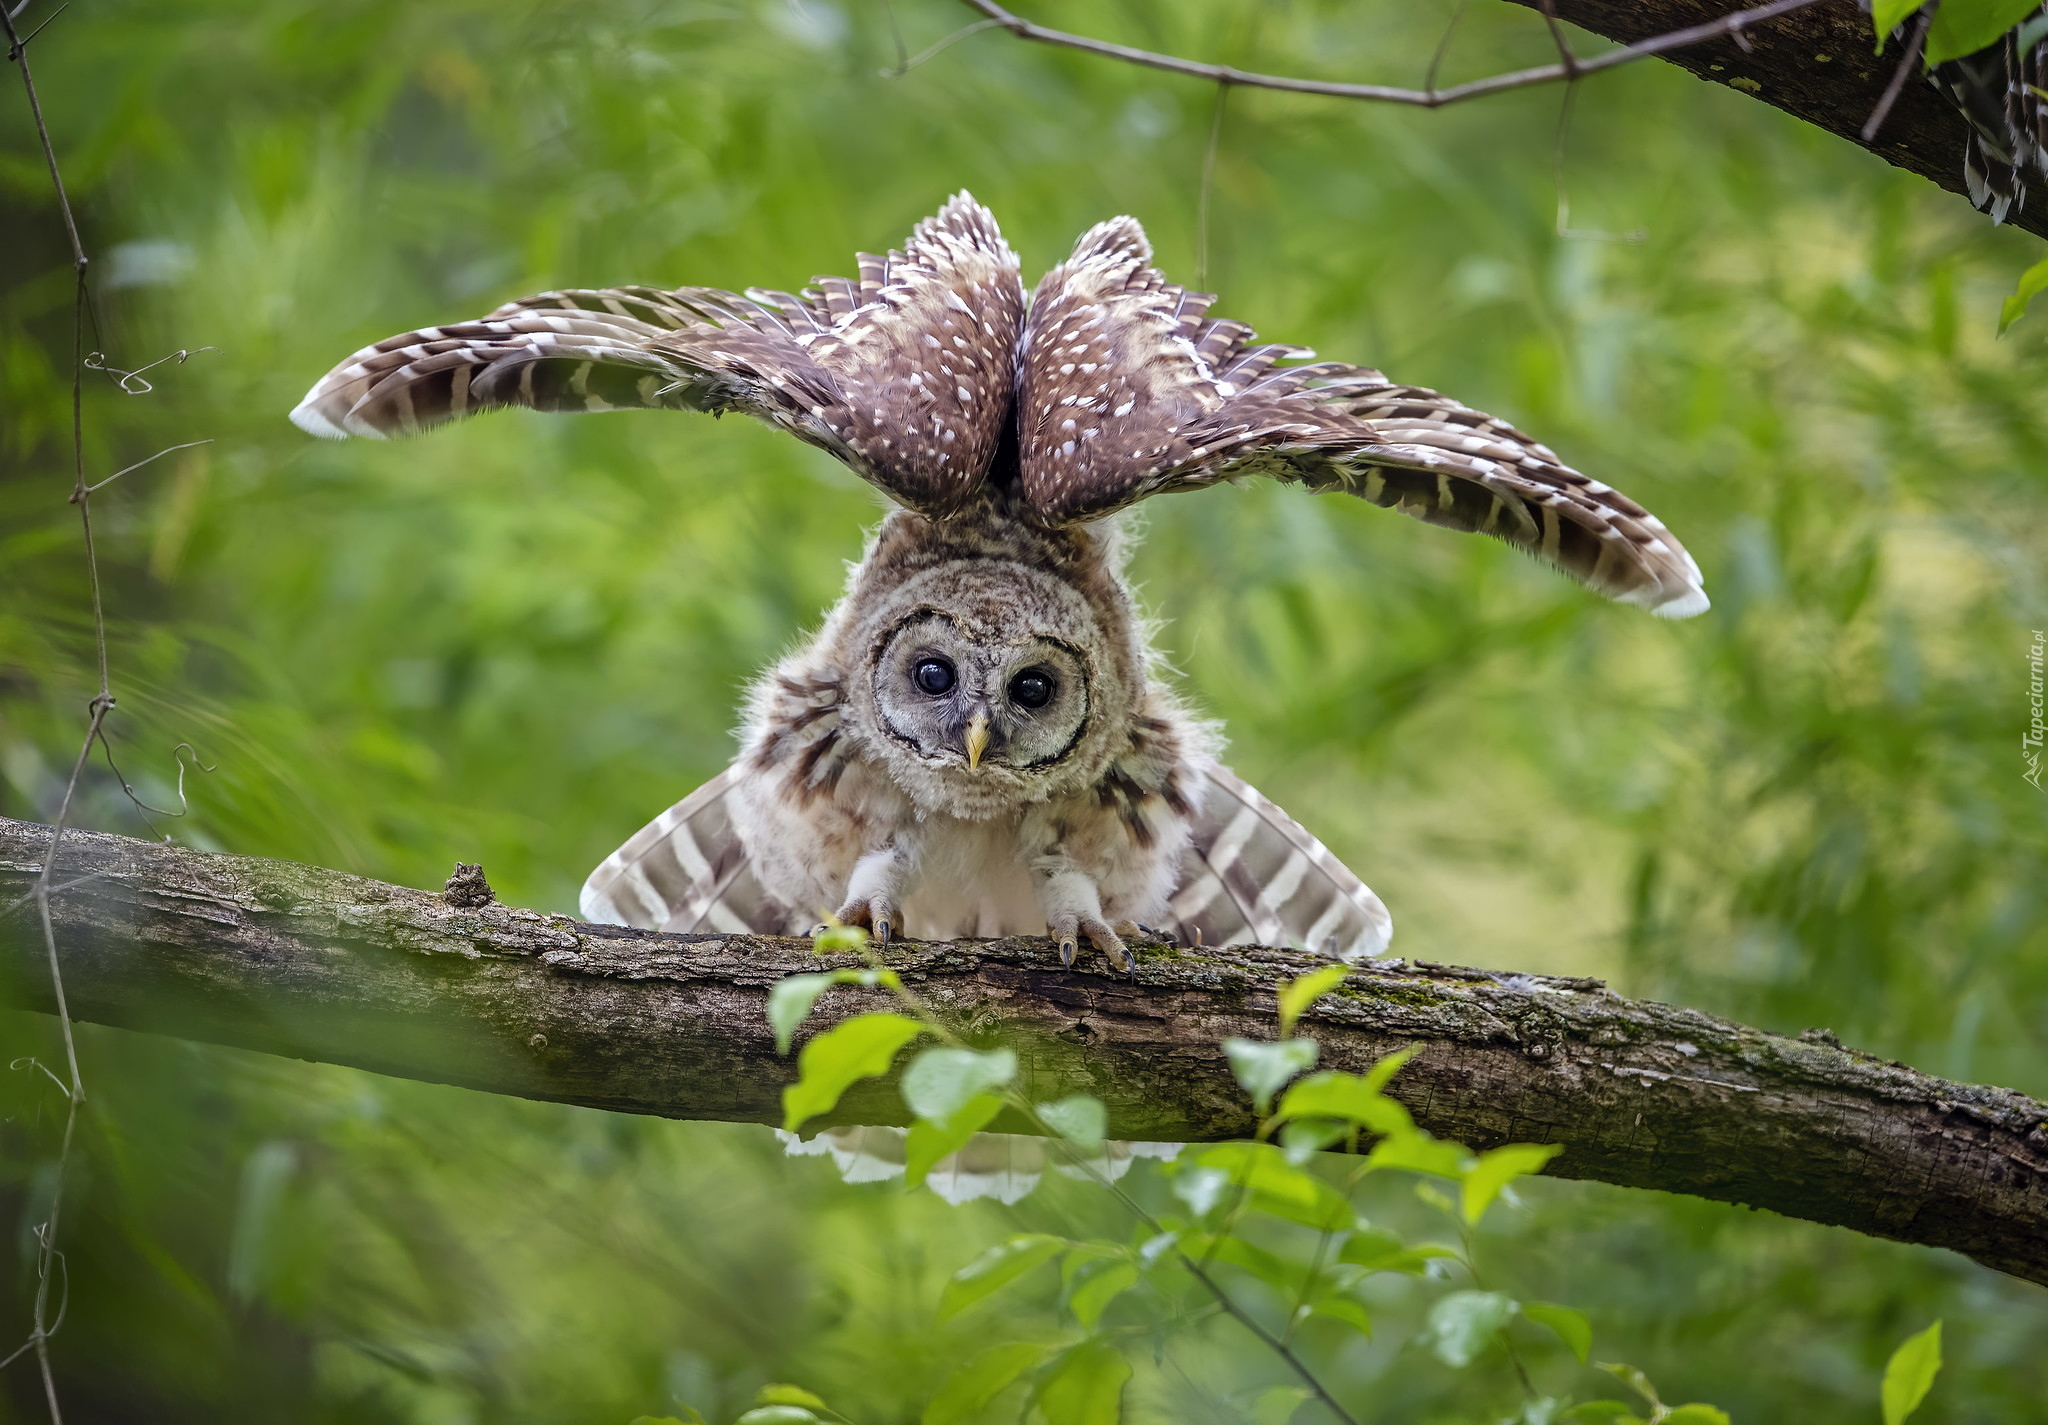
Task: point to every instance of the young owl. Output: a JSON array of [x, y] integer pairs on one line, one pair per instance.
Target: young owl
[[978, 742]]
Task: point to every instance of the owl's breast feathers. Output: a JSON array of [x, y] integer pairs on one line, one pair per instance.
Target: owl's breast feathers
[[1175, 840]]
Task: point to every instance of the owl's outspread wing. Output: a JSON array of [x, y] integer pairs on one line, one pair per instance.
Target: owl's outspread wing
[[1123, 387], [1127, 388], [687, 871], [904, 373], [1252, 876]]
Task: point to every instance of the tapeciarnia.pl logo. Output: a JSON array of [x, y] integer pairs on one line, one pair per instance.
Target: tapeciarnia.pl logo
[[2030, 744]]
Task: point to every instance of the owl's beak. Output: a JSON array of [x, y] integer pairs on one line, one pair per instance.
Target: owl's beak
[[977, 739]]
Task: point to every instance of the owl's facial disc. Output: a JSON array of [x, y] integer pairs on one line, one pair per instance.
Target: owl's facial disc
[[989, 706]]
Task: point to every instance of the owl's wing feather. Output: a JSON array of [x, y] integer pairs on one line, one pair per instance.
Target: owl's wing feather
[[905, 374], [1252, 876], [1128, 388], [687, 871]]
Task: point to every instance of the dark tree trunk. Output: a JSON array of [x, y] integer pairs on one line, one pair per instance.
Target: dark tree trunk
[[1819, 64]]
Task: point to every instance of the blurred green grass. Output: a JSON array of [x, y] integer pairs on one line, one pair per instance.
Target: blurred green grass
[[516, 640]]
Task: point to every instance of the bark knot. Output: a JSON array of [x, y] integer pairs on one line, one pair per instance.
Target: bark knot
[[467, 888]]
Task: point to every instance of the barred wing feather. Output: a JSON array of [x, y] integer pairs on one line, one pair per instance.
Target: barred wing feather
[[1252, 876], [687, 871]]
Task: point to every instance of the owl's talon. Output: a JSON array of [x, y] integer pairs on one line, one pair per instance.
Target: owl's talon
[[1067, 948], [1106, 940], [875, 914]]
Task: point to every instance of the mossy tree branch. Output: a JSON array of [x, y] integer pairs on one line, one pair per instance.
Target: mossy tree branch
[[301, 961]]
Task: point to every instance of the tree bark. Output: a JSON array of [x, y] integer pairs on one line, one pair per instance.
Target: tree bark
[[1817, 64], [311, 963]]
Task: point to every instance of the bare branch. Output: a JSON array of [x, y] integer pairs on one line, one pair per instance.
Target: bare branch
[[1430, 98], [1908, 62], [1815, 64], [80, 494], [931, 51], [312, 963]]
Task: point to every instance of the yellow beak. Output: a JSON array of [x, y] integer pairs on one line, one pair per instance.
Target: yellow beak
[[977, 739]]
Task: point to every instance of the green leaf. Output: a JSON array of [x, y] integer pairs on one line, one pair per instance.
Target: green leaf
[[2032, 283], [1910, 1373], [1383, 1070], [1571, 1326], [1344, 1309], [1332, 1094], [1414, 1261], [859, 1048], [1696, 1414], [1888, 15], [1079, 1119], [927, 1142], [941, 1081], [1384, 1252], [1263, 1069], [1277, 1405], [1278, 1187], [693, 1418], [1495, 1170], [1600, 1412], [1093, 1296], [997, 1268], [1261, 1263], [792, 997], [1428, 1193], [1305, 1137], [790, 1395], [1965, 26], [1461, 1324], [1086, 1388], [1083, 1257], [777, 1415], [836, 939], [1633, 1378], [1417, 1152], [1297, 995], [1204, 1248], [1202, 1189], [966, 1393]]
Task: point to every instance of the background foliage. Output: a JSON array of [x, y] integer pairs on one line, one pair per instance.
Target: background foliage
[[515, 641]]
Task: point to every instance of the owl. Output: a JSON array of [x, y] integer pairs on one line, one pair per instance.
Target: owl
[[979, 740]]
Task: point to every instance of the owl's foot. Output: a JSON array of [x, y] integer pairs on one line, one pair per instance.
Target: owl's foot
[[876, 914], [1145, 934], [1069, 929]]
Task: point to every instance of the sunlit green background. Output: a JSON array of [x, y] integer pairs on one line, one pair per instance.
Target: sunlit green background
[[514, 641]]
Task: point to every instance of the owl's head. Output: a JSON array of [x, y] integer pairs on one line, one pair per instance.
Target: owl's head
[[989, 684]]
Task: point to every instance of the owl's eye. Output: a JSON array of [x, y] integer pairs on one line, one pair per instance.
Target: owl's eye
[[1032, 689], [934, 676]]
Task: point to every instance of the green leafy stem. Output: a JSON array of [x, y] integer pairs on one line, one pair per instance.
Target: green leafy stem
[[954, 1090]]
